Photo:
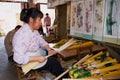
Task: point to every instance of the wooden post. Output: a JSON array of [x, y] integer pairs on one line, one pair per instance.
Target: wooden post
[[31, 3]]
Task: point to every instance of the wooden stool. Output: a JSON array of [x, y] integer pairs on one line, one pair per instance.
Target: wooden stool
[[20, 73]]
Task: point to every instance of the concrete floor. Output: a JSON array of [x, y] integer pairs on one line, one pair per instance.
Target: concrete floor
[[7, 69]]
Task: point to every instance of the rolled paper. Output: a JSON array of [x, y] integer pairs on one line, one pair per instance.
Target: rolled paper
[[96, 62], [75, 75], [86, 44], [84, 74], [113, 73], [77, 70], [98, 54], [114, 67], [83, 59], [102, 56], [91, 59], [102, 64], [60, 43], [99, 61], [107, 54], [108, 58], [105, 63], [107, 69], [82, 45], [73, 67]]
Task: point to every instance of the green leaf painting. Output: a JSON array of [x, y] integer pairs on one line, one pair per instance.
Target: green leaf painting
[[109, 19]]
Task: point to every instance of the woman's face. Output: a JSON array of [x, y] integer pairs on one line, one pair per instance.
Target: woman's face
[[37, 23]]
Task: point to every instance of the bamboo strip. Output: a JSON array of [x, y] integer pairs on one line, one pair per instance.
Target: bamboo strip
[[70, 42]]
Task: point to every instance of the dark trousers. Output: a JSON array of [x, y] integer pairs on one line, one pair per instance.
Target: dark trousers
[[53, 66], [10, 58]]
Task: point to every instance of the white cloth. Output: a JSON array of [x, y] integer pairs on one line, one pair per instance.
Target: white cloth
[[37, 53]]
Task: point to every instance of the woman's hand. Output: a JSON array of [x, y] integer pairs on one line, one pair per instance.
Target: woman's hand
[[52, 52], [41, 59]]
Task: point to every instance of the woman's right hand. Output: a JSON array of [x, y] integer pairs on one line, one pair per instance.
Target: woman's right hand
[[41, 59]]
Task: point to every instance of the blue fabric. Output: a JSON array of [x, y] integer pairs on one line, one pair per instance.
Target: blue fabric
[[45, 53]]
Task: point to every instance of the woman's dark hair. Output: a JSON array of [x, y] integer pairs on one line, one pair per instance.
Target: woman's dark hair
[[31, 12]]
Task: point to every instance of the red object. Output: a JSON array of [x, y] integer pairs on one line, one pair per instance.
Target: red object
[[51, 31]]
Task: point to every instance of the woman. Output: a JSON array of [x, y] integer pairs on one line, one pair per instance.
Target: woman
[[27, 43]]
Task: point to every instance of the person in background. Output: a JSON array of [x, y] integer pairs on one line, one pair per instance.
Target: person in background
[[27, 43], [8, 42], [47, 22]]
